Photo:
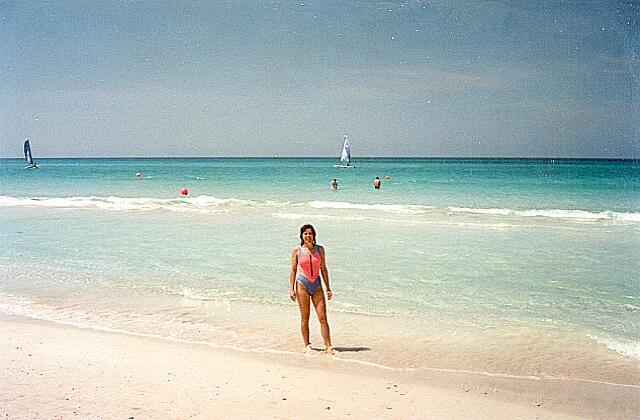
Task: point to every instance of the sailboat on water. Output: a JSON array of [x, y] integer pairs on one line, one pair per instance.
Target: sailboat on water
[[28, 157], [346, 155]]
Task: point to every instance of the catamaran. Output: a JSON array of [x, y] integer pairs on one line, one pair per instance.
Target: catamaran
[[346, 155], [28, 157]]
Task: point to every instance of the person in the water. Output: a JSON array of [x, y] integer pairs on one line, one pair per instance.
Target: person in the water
[[334, 184], [376, 183], [307, 264]]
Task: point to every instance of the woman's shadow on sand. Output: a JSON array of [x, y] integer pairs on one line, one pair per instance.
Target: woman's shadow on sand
[[351, 349], [340, 349]]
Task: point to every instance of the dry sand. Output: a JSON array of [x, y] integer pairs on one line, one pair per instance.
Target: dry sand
[[56, 371]]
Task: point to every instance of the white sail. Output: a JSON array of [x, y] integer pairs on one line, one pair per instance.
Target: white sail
[[346, 151], [346, 155]]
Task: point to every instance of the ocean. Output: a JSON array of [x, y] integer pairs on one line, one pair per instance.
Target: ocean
[[515, 267]]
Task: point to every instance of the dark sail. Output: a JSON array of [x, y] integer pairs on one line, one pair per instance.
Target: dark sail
[[27, 152]]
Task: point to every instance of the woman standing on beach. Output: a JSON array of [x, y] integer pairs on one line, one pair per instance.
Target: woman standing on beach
[[307, 262]]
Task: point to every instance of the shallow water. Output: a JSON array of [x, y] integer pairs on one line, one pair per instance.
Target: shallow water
[[516, 267]]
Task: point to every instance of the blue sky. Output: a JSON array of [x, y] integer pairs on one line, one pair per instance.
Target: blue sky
[[264, 78]]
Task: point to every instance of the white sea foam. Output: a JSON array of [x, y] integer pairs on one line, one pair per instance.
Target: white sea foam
[[501, 212], [390, 208], [304, 216], [208, 295], [202, 203], [198, 204], [349, 305], [628, 348], [581, 214], [554, 213], [212, 205]]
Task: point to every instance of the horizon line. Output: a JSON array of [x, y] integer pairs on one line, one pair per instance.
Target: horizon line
[[333, 157]]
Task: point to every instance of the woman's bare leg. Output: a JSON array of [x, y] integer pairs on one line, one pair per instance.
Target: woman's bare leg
[[303, 304], [321, 310]]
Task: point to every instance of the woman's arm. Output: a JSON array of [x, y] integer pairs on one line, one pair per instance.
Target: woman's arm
[[325, 273], [292, 275]]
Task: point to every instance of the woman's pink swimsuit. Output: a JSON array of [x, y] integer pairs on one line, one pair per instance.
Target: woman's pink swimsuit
[[308, 271]]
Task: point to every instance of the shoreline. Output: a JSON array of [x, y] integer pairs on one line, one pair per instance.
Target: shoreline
[[380, 343], [53, 369], [266, 351]]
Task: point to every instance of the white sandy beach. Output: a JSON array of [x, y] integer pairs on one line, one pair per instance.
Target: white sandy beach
[[470, 170], [56, 371]]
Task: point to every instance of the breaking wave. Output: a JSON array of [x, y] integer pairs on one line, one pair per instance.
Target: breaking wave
[[212, 205], [389, 208], [555, 213], [628, 348]]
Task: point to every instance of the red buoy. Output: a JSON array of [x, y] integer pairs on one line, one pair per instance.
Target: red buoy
[[184, 191], [387, 177], [138, 174]]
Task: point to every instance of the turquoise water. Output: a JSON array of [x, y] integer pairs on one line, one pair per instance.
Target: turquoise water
[[518, 267]]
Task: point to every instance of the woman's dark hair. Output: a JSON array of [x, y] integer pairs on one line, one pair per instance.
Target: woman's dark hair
[[305, 227]]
